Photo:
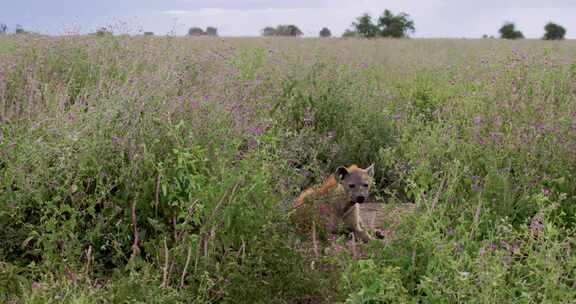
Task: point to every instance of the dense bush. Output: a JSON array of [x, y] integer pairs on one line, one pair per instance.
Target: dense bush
[[160, 169]]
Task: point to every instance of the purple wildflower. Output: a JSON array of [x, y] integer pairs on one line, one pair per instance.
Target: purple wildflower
[[478, 120]]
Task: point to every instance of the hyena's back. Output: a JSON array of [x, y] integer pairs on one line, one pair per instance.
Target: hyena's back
[[329, 185]]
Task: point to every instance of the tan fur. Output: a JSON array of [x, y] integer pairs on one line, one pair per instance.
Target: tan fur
[[333, 200]]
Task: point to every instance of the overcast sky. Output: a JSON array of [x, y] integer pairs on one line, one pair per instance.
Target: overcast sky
[[433, 18]]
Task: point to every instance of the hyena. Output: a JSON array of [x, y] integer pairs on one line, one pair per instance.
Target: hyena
[[337, 200]]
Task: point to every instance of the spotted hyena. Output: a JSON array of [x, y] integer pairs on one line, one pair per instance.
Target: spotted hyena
[[337, 200]]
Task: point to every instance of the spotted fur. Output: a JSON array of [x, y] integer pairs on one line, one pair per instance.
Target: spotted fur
[[337, 199]]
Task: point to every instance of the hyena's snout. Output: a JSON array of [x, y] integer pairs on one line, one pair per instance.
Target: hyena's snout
[[361, 198]]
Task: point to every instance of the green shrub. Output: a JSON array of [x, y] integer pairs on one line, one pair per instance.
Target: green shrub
[[198, 148]]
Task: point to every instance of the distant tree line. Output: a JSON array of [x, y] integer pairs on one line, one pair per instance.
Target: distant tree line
[[18, 29], [387, 25], [197, 31], [288, 30], [552, 31], [103, 31]]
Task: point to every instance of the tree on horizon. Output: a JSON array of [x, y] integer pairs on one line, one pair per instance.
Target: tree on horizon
[[288, 30], [349, 34], [395, 26], [103, 31], [268, 31], [554, 31], [508, 31], [325, 33], [211, 31], [388, 25], [364, 26], [19, 29], [195, 31]]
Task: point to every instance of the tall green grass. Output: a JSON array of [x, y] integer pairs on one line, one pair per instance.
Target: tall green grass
[[198, 146]]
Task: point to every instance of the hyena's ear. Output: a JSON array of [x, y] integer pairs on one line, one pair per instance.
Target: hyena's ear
[[370, 170], [341, 173]]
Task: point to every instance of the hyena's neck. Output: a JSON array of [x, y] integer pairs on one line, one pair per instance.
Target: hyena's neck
[[341, 200]]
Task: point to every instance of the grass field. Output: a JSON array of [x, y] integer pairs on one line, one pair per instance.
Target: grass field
[[162, 169]]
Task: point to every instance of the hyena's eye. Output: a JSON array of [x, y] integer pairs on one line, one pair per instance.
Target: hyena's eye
[[365, 185], [351, 185]]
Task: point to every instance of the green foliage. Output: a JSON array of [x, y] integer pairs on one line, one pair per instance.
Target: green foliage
[[211, 31], [288, 30], [366, 282], [508, 31], [268, 31], [349, 34], [103, 31], [198, 148], [365, 27], [325, 33], [395, 26], [19, 29], [388, 25], [554, 31], [196, 31]]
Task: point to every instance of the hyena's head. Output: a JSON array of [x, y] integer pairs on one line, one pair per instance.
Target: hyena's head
[[356, 182]]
